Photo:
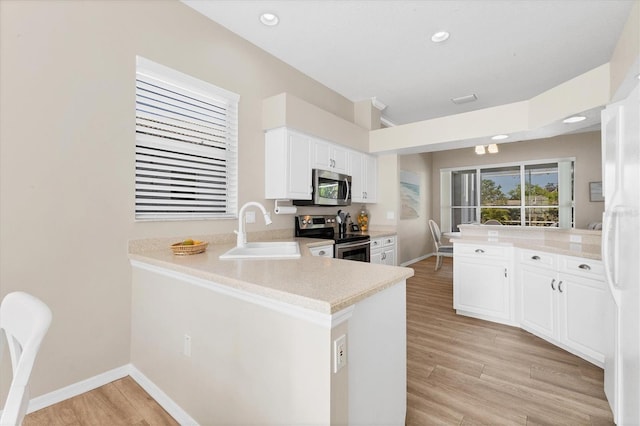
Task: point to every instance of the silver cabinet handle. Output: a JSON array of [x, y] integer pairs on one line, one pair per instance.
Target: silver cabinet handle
[[560, 287], [479, 251], [585, 267], [535, 257], [553, 281]]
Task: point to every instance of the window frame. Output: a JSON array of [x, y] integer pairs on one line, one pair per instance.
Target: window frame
[[565, 206], [202, 182]]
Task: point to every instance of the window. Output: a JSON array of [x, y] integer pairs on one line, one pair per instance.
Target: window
[[525, 194], [186, 146]]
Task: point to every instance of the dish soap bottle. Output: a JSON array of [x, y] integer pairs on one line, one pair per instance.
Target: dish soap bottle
[[363, 220]]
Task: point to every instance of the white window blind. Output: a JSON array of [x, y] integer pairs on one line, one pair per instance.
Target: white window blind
[[186, 146]]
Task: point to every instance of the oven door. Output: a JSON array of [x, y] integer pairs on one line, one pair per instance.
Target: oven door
[[359, 251]]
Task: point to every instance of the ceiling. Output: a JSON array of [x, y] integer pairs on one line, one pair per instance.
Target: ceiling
[[502, 51]]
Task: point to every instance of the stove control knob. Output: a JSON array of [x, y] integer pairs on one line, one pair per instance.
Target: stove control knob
[[304, 221]]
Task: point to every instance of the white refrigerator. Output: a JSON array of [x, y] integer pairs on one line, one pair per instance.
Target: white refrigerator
[[621, 254]]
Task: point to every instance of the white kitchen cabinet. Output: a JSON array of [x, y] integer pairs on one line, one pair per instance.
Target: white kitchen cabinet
[[287, 165], [482, 282], [363, 169], [564, 300], [322, 251], [383, 250], [328, 156]]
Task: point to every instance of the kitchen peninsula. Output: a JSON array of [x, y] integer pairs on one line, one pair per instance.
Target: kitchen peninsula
[[255, 341]]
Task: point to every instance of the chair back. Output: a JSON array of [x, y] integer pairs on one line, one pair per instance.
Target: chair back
[[24, 319], [435, 233]]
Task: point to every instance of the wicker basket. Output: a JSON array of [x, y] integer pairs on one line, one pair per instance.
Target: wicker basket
[[185, 250]]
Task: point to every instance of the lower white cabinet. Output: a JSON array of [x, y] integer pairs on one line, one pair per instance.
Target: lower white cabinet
[[383, 250], [322, 251], [565, 301], [482, 282]]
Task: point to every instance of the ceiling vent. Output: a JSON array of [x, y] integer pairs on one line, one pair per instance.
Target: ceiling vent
[[464, 99]]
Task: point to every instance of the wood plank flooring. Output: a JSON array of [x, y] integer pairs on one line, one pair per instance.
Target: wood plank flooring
[[461, 371], [464, 371], [122, 402]]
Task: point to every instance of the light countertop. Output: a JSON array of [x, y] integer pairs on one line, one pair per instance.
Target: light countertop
[[321, 284], [587, 251]]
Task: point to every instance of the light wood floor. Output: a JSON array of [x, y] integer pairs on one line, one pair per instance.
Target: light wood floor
[[461, 371], [122, 402], [466, 371]]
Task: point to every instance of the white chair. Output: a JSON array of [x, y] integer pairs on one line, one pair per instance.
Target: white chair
[[441, 250], [25, 321], [492, 222]]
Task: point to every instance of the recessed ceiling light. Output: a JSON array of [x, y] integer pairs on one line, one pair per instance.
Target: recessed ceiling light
[[499, 137], [269, 19], [574, 119], [440, 36], [480, 149], [493, 148]]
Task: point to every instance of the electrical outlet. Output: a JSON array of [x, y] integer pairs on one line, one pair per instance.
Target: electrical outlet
[[575, 239], [339, 353], [493, 233], [391, 215], [250, 217], [186, 350]]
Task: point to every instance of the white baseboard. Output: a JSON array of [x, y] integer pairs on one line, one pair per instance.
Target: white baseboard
[[78, 388], [95, 382], [162, 398], [417, 259]]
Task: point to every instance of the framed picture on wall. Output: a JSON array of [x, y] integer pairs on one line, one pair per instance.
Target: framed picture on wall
[[595, 191]]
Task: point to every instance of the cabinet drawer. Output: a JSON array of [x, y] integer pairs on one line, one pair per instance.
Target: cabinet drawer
[[376, 242], [479, 250], [388, 241], [582, 267], [538, 258]]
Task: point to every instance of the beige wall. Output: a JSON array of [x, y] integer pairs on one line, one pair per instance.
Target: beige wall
[[585, 147], [67, 158], [414, 237]]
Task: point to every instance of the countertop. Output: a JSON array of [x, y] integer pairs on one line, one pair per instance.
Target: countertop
[[325, 285], [587, 251]]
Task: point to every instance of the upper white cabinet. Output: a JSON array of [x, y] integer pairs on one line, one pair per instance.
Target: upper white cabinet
[[290, 157], [328, 156], [363, 169], [287, 165]]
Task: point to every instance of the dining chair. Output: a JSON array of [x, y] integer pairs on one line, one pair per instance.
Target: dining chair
[[24, 319], [441, 249], [492, 222]]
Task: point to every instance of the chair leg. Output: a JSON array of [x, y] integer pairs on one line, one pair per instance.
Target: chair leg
[[438, 261]]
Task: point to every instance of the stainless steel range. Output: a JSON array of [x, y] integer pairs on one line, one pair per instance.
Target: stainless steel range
[[350, 246]]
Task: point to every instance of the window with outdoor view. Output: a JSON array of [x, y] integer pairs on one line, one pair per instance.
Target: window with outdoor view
[[525, 194]]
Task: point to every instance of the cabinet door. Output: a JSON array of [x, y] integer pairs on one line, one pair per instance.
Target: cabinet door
[[583, 309], [321, 155], [370, 178], [375, 257], [537, 300], [481, 286], [299, 176], [389, 256], [356, 170], [287, 165], [340, 157]]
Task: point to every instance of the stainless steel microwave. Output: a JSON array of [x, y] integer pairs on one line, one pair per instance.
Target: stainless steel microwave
[[329, 189]]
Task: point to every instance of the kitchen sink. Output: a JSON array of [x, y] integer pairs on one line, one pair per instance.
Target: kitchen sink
[[265, 250]]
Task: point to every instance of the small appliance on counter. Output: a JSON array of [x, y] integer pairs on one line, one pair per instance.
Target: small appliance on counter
[[348, 245]]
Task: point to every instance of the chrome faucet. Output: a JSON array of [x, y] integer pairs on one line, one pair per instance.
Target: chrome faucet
[[241, 240]]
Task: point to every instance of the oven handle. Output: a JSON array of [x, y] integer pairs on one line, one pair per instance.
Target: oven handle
[[352, 245]]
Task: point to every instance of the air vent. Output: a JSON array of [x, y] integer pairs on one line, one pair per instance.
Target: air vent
[[464, 99]]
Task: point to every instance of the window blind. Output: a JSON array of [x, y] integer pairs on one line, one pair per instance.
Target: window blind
[[186, 146]]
